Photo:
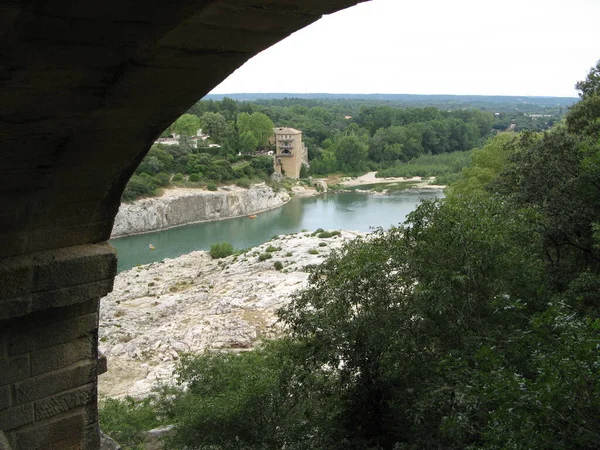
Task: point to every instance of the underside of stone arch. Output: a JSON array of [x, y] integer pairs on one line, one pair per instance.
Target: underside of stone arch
[[85, 88]]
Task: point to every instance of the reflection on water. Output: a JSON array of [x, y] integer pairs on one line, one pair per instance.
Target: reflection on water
[[342, 211]]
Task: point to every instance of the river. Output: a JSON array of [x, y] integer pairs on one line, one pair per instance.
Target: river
[[333, 211]]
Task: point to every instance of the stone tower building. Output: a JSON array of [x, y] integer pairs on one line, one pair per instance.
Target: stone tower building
[[290, 152]]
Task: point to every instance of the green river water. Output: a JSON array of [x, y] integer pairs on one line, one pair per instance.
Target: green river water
[[334, 211]]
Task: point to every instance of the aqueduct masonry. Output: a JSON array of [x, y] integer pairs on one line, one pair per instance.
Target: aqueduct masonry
[[85, 88]]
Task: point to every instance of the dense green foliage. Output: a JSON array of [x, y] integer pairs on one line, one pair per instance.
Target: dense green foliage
[[350, 136], [128, 420], [221, 250], [474, 325]]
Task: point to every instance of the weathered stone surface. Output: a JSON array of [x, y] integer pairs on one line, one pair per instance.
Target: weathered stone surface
[[22, 341], [51, 383], [65, 401], [17, 416], [193, 302], [108, 443], [63, 355], [64, 431], [184, 206], [14, 369], [5, 397], [55, 278]]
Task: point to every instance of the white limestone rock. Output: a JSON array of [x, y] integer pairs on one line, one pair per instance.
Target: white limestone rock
[[158, 311]]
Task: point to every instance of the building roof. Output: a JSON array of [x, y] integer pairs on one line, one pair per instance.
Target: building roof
[[286, 130]]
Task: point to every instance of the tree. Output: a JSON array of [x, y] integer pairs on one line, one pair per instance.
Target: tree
[[351, 153], [215, 125], [247, 142], [186, 125], [258, 124]]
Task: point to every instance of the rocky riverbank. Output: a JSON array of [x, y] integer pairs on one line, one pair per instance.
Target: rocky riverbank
[[193, 302], [183, 206]]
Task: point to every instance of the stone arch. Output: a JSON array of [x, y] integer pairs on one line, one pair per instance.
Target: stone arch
[[85, 88]]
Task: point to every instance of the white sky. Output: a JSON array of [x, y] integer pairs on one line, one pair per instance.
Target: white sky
[[503, 47]]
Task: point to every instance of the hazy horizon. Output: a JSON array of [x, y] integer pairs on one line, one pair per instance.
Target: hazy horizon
[[343, 94]]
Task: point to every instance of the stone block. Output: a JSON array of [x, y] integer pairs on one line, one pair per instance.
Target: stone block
[[33, 339], [74, 266], [93, 438], [16, 417], [75, 442], [90, 411], [5, 397], [62, 355], [14, 369], [3, 344], [15, 279], [52, 431], [36, 388], [65, 401], [15, 307], [69, 295]]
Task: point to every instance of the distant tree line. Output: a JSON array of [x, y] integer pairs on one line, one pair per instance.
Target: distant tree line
[[342, 136]]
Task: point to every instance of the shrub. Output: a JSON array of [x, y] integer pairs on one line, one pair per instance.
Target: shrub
[[288, 254], [163, 179], [221, 250], [263, 164], [140, 186], [271, 249], [264, 256], [177, 177], [328, 234], [128, 420], [304, 172], [313, 251], [243, 183], [278, 265], [211, 187], [194, 178], [322, 244], [317, 231]]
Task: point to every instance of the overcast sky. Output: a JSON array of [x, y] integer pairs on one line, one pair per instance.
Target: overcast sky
[[508, 47]]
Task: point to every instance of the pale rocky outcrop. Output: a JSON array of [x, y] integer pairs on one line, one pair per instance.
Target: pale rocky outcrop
[[193, 303], [180, 206]]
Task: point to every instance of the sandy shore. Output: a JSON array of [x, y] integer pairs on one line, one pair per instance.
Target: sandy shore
[[370, 178]]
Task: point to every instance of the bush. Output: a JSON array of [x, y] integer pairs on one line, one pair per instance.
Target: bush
[[304, 172], [271, 249], [328, 234], [221, 250], [322, 244], [278, 265], [263, 164], [243, 183], [163, 179], [177, 177], [140, 186], [264, 256], [194, 178], [128, 420], [211, 187], [313, 251]]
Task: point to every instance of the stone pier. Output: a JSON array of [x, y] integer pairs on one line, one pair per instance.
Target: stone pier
[[48, 346]]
